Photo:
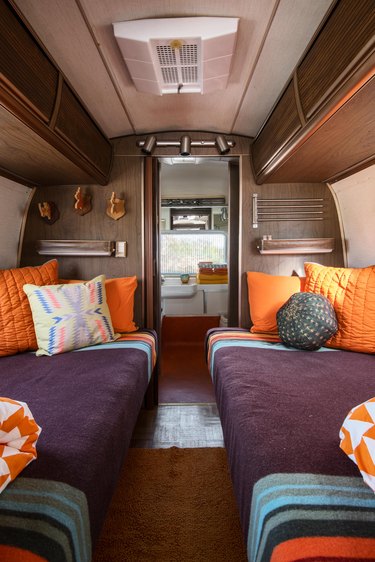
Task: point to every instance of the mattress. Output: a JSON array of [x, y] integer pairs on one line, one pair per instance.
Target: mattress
[[87, 403], [299, 496]]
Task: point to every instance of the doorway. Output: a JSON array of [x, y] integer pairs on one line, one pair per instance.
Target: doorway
[[198, 268]]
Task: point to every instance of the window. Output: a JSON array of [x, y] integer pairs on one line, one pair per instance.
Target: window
[[180, 251], [190, 219]]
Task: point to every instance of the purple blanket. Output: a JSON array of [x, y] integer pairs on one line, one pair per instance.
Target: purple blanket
[[281, 411], [87, 404]]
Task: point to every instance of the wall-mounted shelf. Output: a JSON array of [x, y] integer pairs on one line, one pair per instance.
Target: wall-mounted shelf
[[82, 248], [298, 246]]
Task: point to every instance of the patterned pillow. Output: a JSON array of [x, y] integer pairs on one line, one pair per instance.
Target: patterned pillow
[[306, 321], [357, 436], [68, 317], [18, 437]]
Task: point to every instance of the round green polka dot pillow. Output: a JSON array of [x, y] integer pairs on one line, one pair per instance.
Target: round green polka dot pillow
[[306, 321]]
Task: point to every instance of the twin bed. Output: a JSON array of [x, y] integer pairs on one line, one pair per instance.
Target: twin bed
[[55, 508], [299, 496]]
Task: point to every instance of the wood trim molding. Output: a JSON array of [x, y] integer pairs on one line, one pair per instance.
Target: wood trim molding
[[297, 98], [341, 225], [23, 225], [56, 107], [148, 245], [15, 177]]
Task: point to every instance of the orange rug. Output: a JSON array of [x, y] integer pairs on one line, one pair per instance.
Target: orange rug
[[184, 375], [173, 505]]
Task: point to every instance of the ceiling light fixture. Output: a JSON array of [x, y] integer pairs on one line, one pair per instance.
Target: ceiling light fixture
[[221, 145], [185, 144], [149, 145]]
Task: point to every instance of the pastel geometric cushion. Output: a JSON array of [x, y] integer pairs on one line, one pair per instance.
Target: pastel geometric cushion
[[120, 299], [68, 317], [17, 332], [352, 294], [306, 321], [18, 437], [357, 436]]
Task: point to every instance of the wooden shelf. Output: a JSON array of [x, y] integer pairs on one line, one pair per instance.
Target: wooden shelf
[[297, 246]]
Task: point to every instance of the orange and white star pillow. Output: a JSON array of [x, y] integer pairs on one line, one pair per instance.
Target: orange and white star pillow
[[18, 436], [357, 436]]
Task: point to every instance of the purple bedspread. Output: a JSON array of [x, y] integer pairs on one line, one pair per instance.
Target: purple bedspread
[[281, 412], [87, 404]]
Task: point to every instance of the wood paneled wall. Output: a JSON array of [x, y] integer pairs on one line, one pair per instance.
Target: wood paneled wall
[[252, 260], [127, 181]]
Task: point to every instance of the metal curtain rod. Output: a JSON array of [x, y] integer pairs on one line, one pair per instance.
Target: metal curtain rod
[[193, 143]]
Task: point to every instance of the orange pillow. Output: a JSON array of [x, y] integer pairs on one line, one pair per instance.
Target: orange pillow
[[120, 300], [16, 322], [352, 294], [267, 293]]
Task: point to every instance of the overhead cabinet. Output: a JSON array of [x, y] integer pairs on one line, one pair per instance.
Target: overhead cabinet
[[329, 102], [35, 92]]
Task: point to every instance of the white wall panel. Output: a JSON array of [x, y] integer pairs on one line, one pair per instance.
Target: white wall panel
[[356, 205], [14, 200]]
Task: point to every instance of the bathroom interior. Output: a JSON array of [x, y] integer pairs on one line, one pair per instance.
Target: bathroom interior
[[194, 255]]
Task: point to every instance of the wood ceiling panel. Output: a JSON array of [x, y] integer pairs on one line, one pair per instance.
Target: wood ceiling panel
[[79, 36], [215, 111]]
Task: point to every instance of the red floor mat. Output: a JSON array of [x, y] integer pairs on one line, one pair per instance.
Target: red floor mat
[[184, 375]]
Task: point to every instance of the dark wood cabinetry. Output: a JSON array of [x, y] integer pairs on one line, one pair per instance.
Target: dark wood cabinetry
[[35, 93], [26, 71], [282, 125], [77, 128], [333, 98]]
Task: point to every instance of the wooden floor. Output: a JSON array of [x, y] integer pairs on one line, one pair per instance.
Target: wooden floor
[[178, 425]]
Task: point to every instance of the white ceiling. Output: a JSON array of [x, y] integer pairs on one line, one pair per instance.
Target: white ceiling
[[272, 36]]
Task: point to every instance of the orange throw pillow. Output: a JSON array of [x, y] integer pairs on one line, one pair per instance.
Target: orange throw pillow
[[267, 293], [120, 300], [17, 332], [352, 294]]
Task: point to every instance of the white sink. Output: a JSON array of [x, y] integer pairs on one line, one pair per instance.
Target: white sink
[[178, 291]]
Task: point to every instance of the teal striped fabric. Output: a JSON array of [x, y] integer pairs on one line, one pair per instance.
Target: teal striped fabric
[[49, 518], [288, 506]]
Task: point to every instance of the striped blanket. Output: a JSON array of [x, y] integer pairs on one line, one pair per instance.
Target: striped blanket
[[299, 496], [87, 403]]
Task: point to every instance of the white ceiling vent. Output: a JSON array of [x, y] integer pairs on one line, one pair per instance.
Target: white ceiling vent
[[178, 55]]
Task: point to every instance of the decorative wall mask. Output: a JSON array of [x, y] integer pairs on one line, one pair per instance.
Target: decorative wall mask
[[48, 211], [115, 207], [82, 205]]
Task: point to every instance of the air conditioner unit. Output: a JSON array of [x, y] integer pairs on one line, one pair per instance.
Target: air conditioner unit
[[178, 55]]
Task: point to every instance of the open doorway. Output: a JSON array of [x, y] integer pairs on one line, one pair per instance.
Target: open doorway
[[198, 264]]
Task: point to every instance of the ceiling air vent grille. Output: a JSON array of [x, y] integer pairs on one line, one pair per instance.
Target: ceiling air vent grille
[[178, 55], [178, 63]]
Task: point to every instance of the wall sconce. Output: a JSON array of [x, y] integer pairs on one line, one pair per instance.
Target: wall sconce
[[185, 145], [221, 145], [149, 145]]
